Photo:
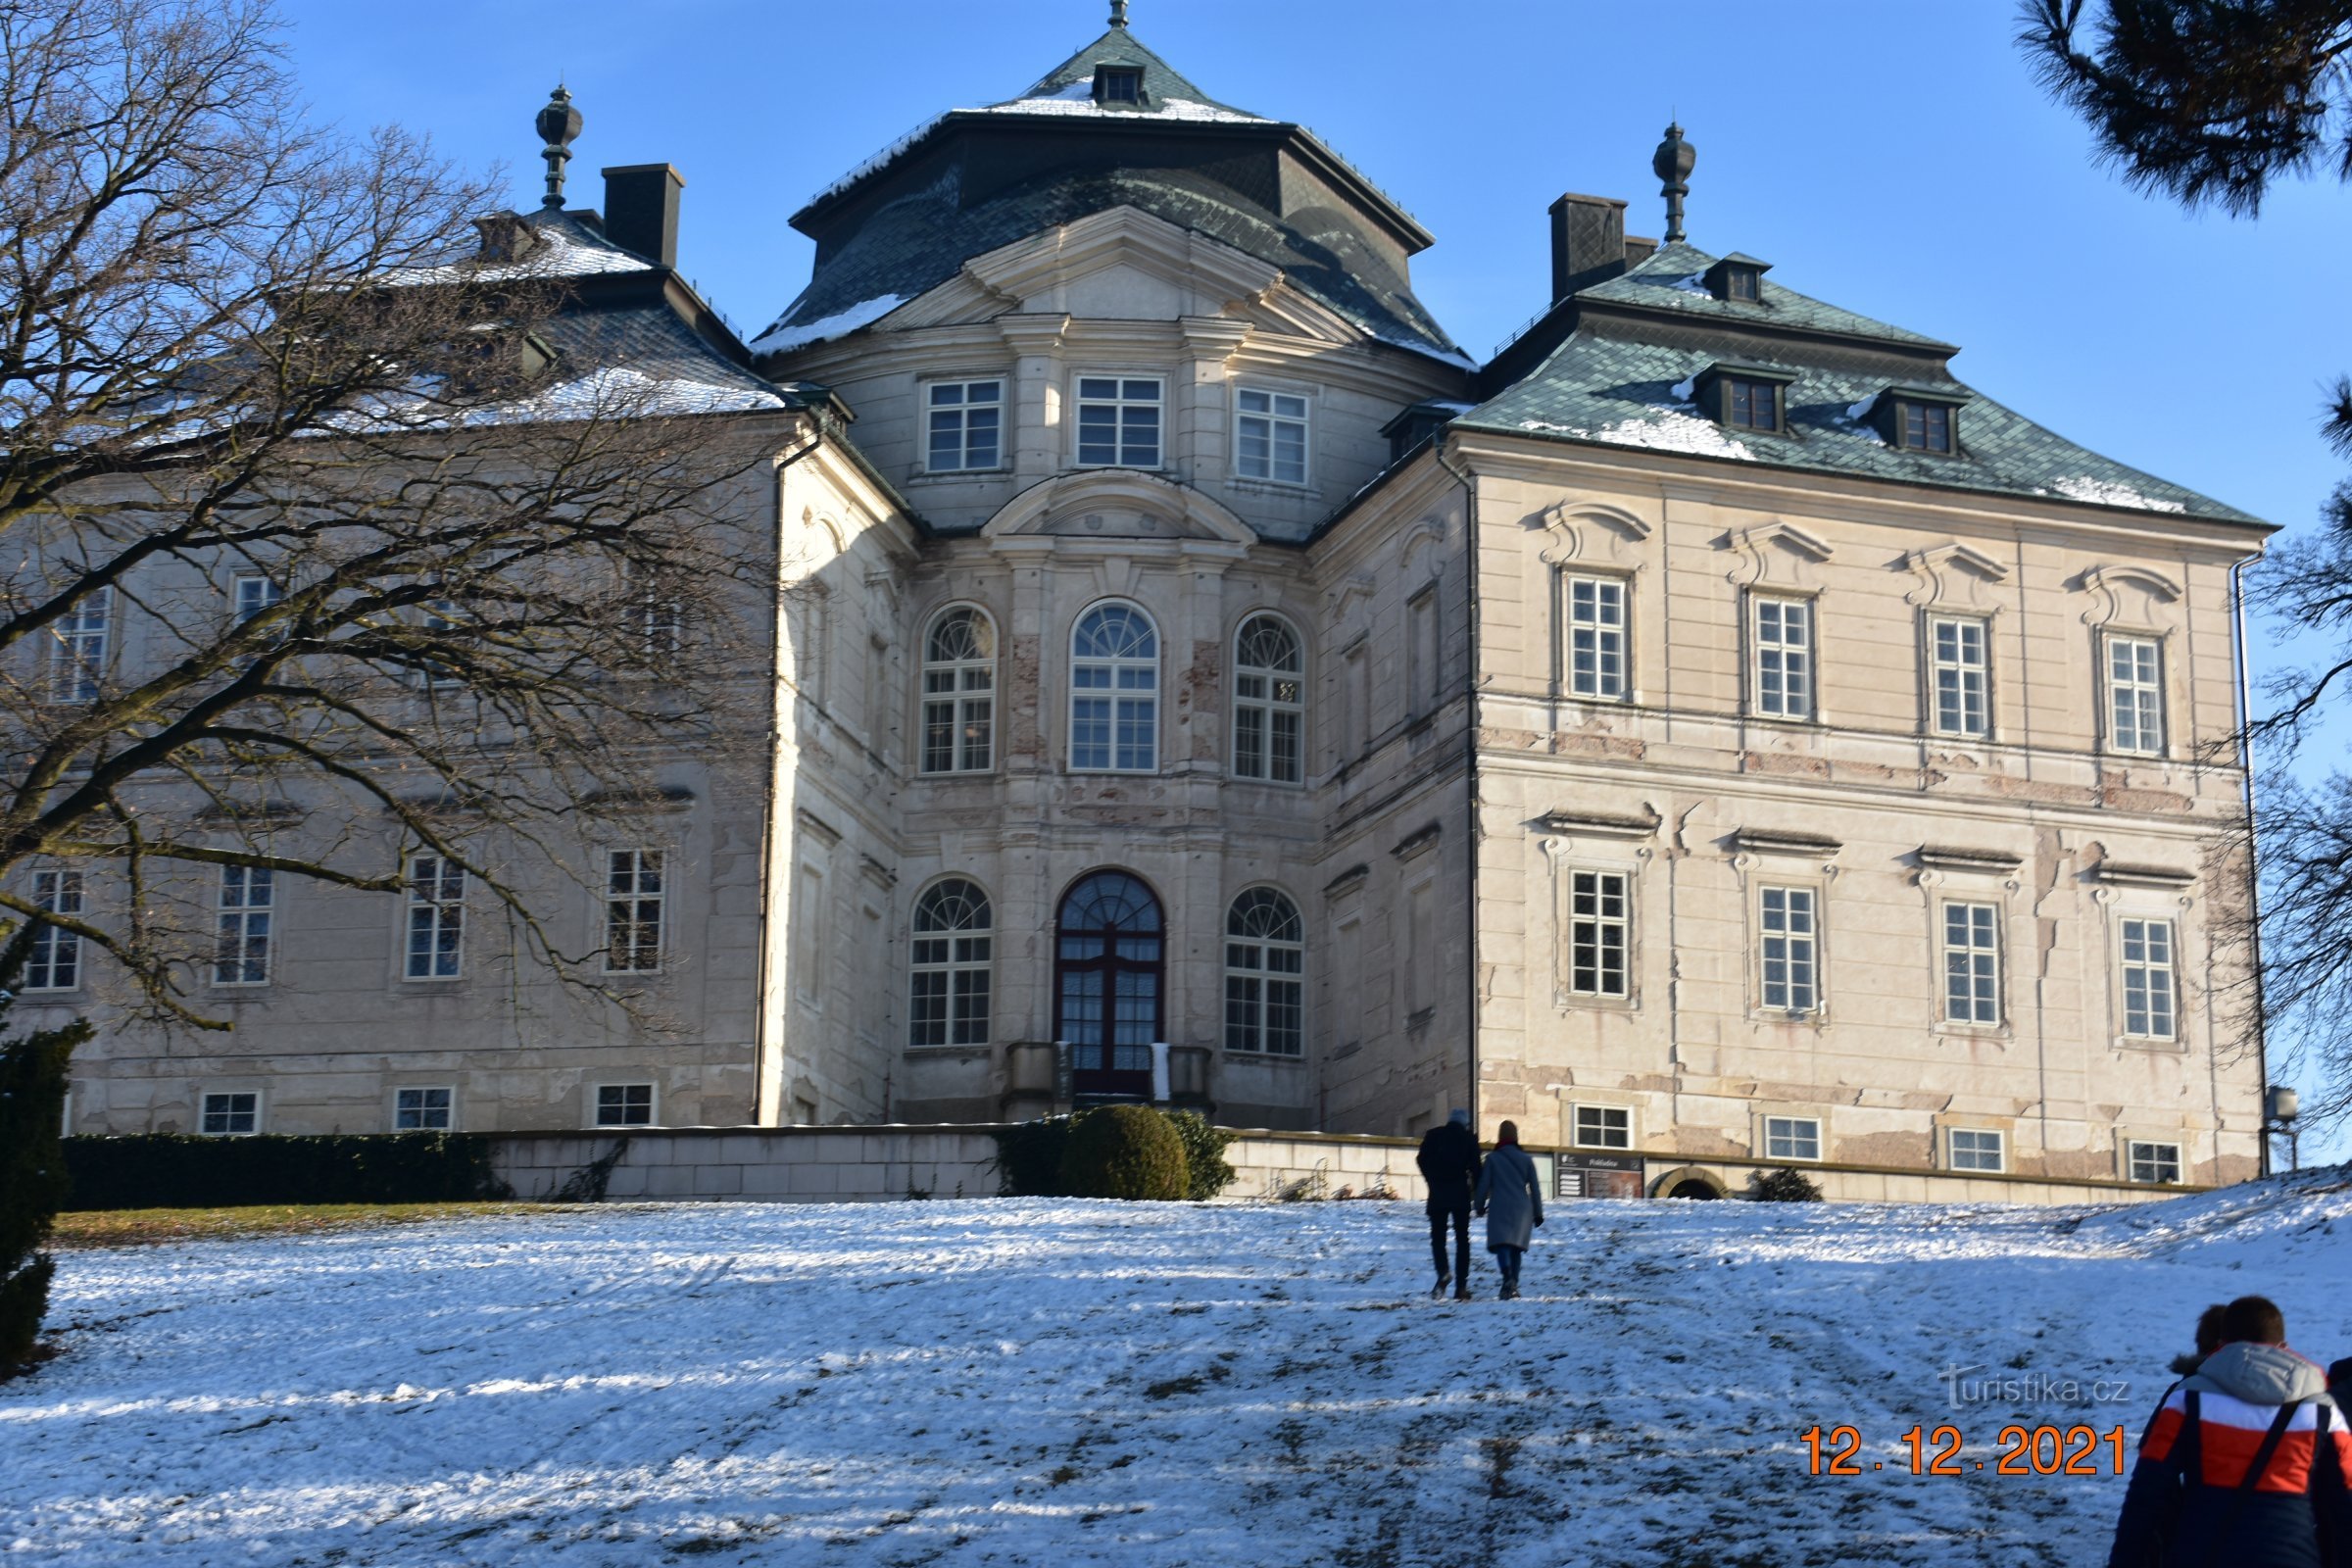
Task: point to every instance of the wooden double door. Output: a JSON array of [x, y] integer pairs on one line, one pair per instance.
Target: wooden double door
[[1109, 983]]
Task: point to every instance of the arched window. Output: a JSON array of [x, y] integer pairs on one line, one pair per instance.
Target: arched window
[[1109, 961], [959, 692], [1265, 965], [1269, 701], [948, 1003], [1114, 692]]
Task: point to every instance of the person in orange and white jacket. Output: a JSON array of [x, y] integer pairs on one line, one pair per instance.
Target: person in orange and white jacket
[[2246, 1462]]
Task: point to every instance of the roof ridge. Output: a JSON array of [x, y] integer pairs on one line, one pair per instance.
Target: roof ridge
[[1117, 44]]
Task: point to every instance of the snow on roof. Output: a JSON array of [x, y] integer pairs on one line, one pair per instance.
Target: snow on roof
[[554, 256], [841, 324], [2110, 493]]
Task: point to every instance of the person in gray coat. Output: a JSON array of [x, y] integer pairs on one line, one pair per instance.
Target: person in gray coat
[[1511, 1197]]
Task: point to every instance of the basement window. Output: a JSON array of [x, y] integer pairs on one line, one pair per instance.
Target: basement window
[[1119, 85]]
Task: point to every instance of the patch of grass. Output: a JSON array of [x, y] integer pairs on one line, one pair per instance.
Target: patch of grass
[[149, 1227]]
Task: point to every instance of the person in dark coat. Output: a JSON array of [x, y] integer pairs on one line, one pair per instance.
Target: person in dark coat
[[1448, 1162], [1511, 1196], [2246, 1462]]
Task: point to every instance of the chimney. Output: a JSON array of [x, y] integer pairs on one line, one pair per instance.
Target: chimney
[[1588, 242], [641, 210]]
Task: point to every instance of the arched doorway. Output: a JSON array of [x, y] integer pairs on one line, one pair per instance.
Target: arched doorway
[[1109, 961]]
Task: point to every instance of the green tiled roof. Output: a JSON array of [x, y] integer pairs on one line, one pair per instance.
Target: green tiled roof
[[1623, 377]]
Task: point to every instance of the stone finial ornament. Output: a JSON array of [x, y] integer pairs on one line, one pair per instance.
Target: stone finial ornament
[[558, 124], [1672, 163], [1119, 13]]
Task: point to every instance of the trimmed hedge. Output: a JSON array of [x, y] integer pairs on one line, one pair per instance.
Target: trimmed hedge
[[176, 1170], [32, 1183], [1029, 1156], [1126, 1151]]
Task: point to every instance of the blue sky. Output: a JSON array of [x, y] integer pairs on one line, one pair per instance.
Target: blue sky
[[1897, 160]]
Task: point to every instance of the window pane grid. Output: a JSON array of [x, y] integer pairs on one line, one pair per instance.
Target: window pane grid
[[966, 425], [624, 1105], [1114, 681], [959, 679], [1600, 933], [1118, 421], [1785, 657], [1603, 1127], [1789, 951], [1974, 1149], [78, 654], [1753, 404], [1270, 436], [2136, 695], [634, 900], [952, 952], [1265, 968], [1962, 673], [1791, 1138], [231, 1115], [2148, 979], [1597, 661], [2155, 1162], [436, 918], [55, 961], [420, 1110], [1972, 964], [1269, 701], [246, 902]]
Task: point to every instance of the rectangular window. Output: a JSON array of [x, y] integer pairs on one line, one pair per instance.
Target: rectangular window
[[1600, 933], [1926, 428], [1972, 964], [2148, 971], [2154, 1162], [231, 1115], [1785, 657], [436, 918], [1270, 436], [811, 930], [1790, 951], [1118, 421], [440, 616], [1791, 1138], [967, 426], [2135, 696], [1960, 665], [243, 917], [77, 656], [256, 593], [423, 1110], [1597, 666], [624, 1105], [634, 896], [1421, 650], [55, 962], [1751, 405], [1603, 1127], [1975, 1149]]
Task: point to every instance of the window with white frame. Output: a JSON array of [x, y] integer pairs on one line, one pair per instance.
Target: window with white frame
[[79, 647], [2135, 696], [1114, 692], [1597, 661], [1974, 1149], [436, 925], [231, 1115], [244, 915], [1266, 975], [1972, 964], [1269, 436], [1960, 664], [953, 956], [657, 614], [2153, 1162], [1791, 1138], [439, 615], [635, 903], [1602, 1127], [959, 692], [624, 1105], [1789, 948], [1118, 421], [1600, 933], [424, 1110], [55, 961], [966, 426], [2149, 976], [1784, 674], [253, 594], [1269, 701]]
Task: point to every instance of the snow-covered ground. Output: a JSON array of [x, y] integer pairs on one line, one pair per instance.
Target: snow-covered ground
[[1040, 1382]]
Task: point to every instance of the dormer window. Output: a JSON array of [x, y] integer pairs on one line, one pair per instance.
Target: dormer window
[[1921, 418], [1119, 85], [1746, 396], [1738, 278]]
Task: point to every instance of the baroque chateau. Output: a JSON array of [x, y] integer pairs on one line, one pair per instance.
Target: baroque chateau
[[1708, 733]]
